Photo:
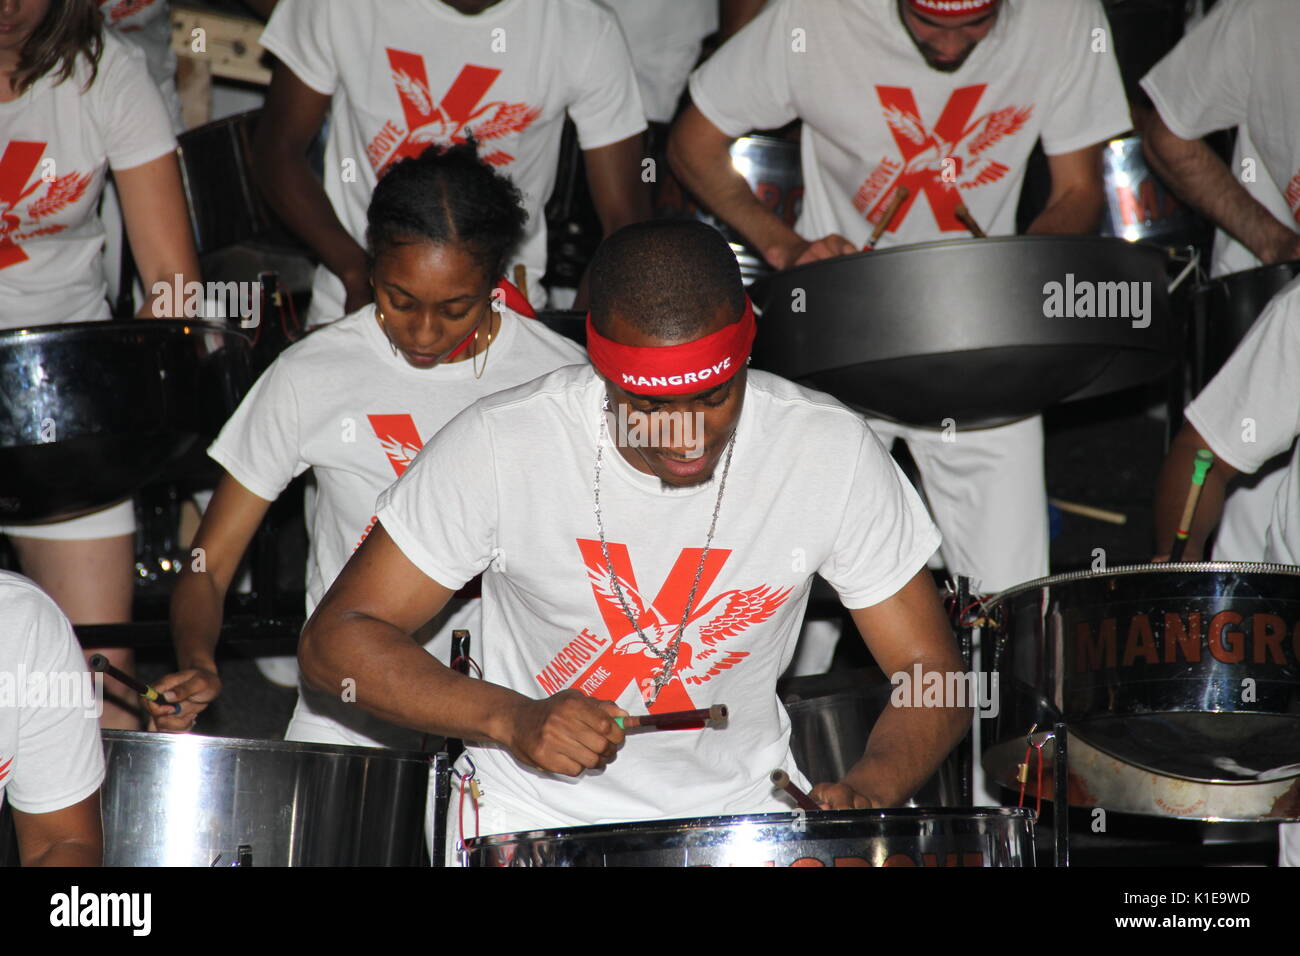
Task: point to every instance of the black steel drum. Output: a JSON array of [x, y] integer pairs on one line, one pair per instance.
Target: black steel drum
[[983, 836], [1138, 205], [92, 411], [968, 329], [186, 800], [771, 167], [1189, 670], [831, 717], [1227, 308], [225, 205]]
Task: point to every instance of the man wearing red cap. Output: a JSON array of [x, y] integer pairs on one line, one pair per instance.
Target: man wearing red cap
[[945, 99], [633, 578]]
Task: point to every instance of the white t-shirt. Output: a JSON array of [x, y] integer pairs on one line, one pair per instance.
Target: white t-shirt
[[50, 752], [58, 143], [508, 487], [341, 403], [665, 38], [1250, 413], [876, 116], [1240, 67], [407, 73], [148, 25]]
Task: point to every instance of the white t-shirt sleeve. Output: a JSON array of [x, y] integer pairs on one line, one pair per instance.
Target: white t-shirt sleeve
[[260, 446], [745, 85], [298, 34], [1088, 101], [1250, 411], [1203, 84], [885, 535], [607, 103], [136, 125], [60, 759], [443, 512]]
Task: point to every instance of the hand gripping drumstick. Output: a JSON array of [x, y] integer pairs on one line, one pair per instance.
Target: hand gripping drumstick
[[966, 219], [676, 720], [900, 197], [781, 780], [1204, 459], [98, 662]]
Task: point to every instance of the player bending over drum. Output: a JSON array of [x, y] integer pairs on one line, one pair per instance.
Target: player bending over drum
[[625, 577]]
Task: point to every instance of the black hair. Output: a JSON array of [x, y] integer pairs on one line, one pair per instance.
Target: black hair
[[448, 195], [666, 277]]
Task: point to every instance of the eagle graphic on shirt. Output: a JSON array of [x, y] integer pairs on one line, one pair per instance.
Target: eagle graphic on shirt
[[457, 114], [937, 161], [714, 640], [1293, 195], [4, 769], [119, 10], [28, 199]]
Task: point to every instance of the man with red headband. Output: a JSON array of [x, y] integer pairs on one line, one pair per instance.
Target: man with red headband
[[945, 98], [629, 577]]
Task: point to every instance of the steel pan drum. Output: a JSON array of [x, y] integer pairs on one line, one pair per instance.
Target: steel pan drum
[[831, 716], [1138, 205], [92, 411], [182, 800], [960, 329], [225, 205], [983, 836], [1230, 305], [771, 167], [1188, 670]]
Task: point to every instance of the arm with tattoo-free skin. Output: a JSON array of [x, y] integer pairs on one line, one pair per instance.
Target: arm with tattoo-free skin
[[1078, 195], [72, 836], [907, 744], [1204, 182], [291, 118], [698, 152], [362, 631]]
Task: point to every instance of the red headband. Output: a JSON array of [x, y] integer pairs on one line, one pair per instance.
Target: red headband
[[674, 369], [952, 8]]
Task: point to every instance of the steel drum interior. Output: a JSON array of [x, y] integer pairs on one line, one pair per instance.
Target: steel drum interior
[[982, 836], [831, 716], [92, 411], [1187, 671], [184, 800], [969, 318]]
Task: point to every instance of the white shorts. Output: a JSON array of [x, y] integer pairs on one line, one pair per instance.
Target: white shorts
[[111, 522]]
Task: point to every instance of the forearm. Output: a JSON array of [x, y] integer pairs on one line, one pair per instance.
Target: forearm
[[702, 161], [393, 678], [1075, 212], [1193, 170], [197, 611], [297, 196], [906, 746]]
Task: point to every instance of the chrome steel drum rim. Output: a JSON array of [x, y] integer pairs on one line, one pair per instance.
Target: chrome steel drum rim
[[1228, 567], [704, 823], [39, 333], [248, 743]]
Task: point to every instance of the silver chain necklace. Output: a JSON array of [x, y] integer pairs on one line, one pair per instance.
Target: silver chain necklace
[[668, 656]]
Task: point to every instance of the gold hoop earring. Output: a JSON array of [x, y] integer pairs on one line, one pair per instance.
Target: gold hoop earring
[[379, 314], [478, 372]]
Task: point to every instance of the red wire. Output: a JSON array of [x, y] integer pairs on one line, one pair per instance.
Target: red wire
[[1028, 749], [460, 811]]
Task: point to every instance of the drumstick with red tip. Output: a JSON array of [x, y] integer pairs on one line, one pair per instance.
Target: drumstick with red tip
[[1200, 467], [966, 219], [900, 197], [781, 780], [98, 662], [676, 719]]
